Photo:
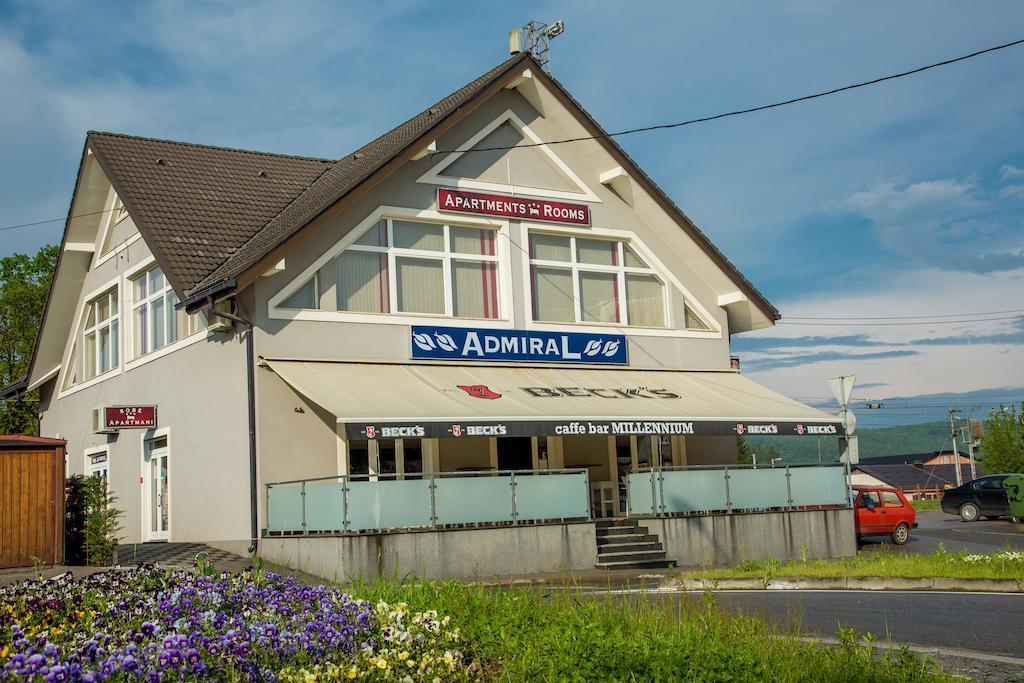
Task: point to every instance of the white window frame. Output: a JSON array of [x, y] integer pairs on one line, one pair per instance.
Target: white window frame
[[99, 325], [575, 266], [501, 258], [170, 313], [90, 469], [673, 328], [145, 437], [188, 339], [434, 177], [114, 213], [445, 257]]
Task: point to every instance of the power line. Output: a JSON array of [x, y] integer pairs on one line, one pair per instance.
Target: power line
[[922, 322], [749, 110], [54, 220], [901, 317], [663, 126]]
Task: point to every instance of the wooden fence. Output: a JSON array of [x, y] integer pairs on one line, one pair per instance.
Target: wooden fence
[[31, 501]]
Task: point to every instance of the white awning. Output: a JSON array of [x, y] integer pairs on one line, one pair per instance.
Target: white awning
[[503, 400]]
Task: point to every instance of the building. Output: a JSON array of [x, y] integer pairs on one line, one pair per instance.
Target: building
[[916, 480], [940, 457], [394, 330]]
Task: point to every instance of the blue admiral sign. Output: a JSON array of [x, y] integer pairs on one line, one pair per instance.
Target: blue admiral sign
[[470, 343]]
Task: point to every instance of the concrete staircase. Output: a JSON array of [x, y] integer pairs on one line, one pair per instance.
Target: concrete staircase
[[624, 544]]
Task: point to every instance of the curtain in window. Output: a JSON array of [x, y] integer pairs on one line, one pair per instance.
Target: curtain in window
[[693, 322], [363, 282], [645, 299], [420, 285], [552, 294], [599, 297], [472, 241], [602, 252], [425, 236], [474, 289], [303, 297], [550, 247]]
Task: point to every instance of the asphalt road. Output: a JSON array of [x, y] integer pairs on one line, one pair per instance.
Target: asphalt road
[[983, 536]]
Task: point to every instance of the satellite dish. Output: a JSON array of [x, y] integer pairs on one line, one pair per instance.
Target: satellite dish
[[849, 420]]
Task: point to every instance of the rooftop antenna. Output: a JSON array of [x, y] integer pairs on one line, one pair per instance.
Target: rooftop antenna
[[535, 38]]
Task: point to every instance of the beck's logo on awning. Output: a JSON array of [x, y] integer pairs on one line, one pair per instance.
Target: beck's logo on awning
[[479, 391]]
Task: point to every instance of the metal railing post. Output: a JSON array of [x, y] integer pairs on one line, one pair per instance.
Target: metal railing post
[[789, 488], [267, 506], [661, 491], [304, 530], [654, 495], [728, 496], [590, 507], [344, 505], [512, 491], [433, 503]]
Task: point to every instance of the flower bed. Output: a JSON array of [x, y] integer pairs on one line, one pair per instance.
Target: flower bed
[[154, 625]]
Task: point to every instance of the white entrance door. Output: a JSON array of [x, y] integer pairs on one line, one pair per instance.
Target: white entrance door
[[157, 501]]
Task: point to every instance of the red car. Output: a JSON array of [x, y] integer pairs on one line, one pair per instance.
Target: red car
[[881, 510]]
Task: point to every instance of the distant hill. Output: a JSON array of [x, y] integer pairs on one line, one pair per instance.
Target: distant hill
[[925, 437]]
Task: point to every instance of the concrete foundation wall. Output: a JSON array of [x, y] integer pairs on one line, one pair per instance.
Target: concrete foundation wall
[[728, 539], [461, 553]]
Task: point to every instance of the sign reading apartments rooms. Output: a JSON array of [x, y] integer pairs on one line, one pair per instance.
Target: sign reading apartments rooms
[[461, 201]]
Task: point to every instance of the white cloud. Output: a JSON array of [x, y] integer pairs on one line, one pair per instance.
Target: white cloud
[[1009, 172]]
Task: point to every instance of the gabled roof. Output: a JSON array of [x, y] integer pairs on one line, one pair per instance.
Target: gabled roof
[[906, 458], [917, 476], [196, 203]]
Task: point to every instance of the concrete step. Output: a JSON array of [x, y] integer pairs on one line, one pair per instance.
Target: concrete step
[[624, 521], [631, 556], [644, 564], [626, 538], [177, 554], [620, 530], [603, 550]]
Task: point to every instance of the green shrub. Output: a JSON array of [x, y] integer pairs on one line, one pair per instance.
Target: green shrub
[[102, 525]]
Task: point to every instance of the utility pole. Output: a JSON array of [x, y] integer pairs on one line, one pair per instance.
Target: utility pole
[[965, 434], [956, 453]]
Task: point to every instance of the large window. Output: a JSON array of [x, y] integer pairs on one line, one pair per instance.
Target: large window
[[401, 266], [579, 279], [156, 322], [587, 280], [100, 337]]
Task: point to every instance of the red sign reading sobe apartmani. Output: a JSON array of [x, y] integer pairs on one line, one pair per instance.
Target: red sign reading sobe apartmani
[[129, 417], [512, 207]]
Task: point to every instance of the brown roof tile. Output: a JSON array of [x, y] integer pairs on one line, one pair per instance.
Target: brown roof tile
[[197, 204]]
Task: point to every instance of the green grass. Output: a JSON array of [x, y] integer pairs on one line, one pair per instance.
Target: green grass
[[526, 634], [925, 505], [896, 564]]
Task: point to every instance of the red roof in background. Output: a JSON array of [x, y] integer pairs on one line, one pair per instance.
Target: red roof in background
[[23, 441]]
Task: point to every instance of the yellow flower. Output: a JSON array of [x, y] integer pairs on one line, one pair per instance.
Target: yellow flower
[[382, 664], [351, 673], [402, 656]]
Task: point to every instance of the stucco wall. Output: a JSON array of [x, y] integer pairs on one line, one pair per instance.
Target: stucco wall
[[461, 553], [728, 539], [360, 341]]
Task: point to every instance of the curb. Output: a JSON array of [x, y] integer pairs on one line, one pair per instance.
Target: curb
[[866, 583]]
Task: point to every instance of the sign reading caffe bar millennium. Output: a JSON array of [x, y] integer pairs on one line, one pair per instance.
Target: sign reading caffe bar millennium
[[526, 208], [471, 343], [635, 427]]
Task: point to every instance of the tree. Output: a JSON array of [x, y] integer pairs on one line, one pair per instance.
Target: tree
[[24, 284], [743, 451], [1002, 446]]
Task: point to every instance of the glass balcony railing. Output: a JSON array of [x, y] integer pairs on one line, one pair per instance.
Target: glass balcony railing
[[689, 490], [389, 501]]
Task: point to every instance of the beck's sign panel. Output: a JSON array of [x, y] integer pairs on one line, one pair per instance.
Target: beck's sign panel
[[461, 201], [129, 417], [471, 343]]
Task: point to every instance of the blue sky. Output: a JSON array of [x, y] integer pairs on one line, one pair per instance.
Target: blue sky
[[903, 199]]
